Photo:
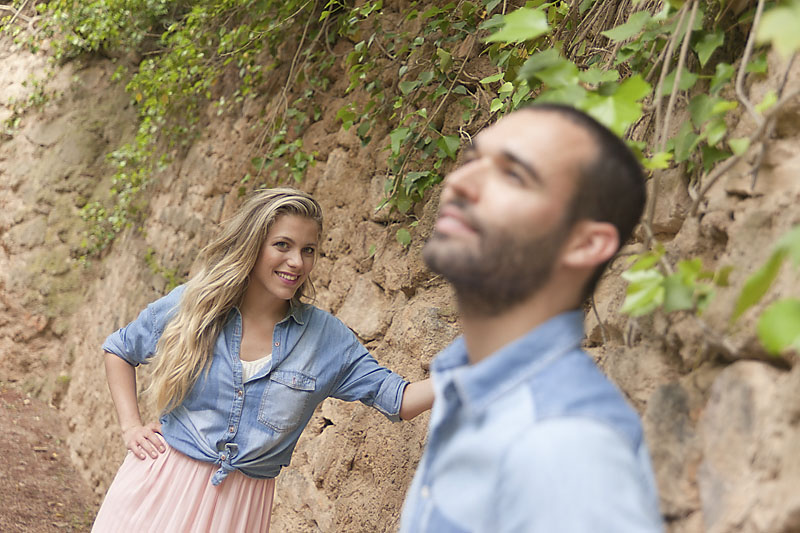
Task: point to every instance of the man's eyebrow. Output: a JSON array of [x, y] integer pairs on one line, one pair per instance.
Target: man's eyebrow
[[472, 148], [532, 172]]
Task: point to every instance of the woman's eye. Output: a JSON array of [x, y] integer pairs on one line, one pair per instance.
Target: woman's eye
[[281, 245], [309, 250]]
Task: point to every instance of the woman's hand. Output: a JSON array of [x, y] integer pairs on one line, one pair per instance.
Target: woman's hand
[[143, 440]]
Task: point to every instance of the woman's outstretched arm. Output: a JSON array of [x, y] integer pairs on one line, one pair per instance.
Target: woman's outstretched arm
[[417, 398], [138, 438]]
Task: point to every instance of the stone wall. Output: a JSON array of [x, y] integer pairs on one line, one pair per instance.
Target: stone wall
[[723, 432]]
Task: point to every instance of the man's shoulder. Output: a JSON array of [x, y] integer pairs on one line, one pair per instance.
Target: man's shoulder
[[574, 387]]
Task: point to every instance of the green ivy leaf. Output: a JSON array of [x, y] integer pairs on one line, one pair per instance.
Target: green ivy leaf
[[539, 61], [658, 161], [687, 81], [631, 27], [739, 146], [706, 46], [645, 292], [596, 76], [758, 64], [778, 326], [622, 108], [397, 137], [445, 59], [403, 237], [790, 244], [779, 28], [493, 78], [770, 99], [723, 74], [711, 156], [758, 284], [449, 145], [562, 74], [521, 25], [408, 86], [678, 296], [715, 131], [685, 142]]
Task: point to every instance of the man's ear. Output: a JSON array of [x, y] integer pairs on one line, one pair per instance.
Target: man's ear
[[591, 243]]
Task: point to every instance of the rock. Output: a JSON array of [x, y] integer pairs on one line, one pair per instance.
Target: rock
[[361, 309]]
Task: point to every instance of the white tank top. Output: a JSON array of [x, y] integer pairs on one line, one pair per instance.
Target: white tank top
[[251, 368]]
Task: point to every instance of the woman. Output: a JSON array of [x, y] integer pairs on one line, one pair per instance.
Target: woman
[[240, 363]]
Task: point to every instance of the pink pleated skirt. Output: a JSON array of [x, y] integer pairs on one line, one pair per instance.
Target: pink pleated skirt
[[173, 494]]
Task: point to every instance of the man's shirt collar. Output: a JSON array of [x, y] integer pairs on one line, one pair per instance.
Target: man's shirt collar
[[476, 385]]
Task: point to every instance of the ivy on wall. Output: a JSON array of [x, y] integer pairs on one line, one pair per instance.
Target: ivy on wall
[[412, 81]]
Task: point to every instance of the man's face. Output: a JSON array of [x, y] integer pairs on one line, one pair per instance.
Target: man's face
[[502, 216]]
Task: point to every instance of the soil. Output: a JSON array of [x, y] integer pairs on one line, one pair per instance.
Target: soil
[[40, 489]]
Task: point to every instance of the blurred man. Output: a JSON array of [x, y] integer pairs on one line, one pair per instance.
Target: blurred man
[[526, 433]]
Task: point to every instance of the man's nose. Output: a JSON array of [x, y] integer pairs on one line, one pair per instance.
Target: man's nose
[[467, 180]]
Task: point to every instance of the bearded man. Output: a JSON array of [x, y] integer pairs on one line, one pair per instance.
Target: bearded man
[[526, 433]]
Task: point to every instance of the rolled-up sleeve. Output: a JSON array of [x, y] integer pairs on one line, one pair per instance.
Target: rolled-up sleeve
[[136, 342], [365, 380]]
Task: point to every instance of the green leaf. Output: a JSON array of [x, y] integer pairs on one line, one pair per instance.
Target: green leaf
[[790, 244], [758, 284], [715, 131], [496, 105], [711, 156], [779, 27], [561, 74], [493, 78], [658, 161], [633, 26], [521, 25], [770, 99], [758, 64], [685, 142], [778, 326], [707, 44], [678, 296], [397, 137], [445, 59], [739, 146], [723, 74], [403, 237], [645, 292], [539, 61], [449, 145], [408, 86], [596, 76], [687, 81], [621, 109]]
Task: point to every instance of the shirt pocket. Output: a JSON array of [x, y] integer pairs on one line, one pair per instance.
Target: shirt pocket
[[287, 398]]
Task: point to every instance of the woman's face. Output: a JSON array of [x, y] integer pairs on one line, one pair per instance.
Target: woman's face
[[286, 257]]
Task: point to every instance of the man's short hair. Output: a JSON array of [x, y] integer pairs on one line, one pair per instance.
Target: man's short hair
[[611, 188]]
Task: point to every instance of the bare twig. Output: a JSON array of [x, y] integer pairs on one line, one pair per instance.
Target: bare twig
[[18, 13], [603, 332], [740, 94], [678, 70]]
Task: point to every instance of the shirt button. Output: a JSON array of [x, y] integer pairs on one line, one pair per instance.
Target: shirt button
[[277, 344], [223, 457], [425, 492], [232, 429], [239, 393]]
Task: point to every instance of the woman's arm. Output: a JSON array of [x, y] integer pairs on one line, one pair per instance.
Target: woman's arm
[[138, 438], [417, 398]]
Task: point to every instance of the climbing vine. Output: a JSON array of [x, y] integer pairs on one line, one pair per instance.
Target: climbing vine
[[427, 76]]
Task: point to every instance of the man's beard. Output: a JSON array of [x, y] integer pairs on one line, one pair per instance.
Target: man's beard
[[502, 273]]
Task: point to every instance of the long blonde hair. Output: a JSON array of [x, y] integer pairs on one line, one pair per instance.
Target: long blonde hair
[[186, 346]]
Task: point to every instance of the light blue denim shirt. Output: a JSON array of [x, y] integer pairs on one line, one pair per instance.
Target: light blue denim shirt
[[254, 426], [533, 438]]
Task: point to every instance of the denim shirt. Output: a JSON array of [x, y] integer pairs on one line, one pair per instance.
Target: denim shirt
[[254, 426], [533, 438]]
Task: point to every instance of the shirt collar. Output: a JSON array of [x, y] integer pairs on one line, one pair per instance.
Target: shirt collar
[[477, 385], [297, 312]]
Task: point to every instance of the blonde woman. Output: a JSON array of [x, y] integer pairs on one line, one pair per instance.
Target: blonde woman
[[239, 364]]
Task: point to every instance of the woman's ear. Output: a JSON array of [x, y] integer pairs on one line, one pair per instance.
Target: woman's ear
[[590, 244]]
